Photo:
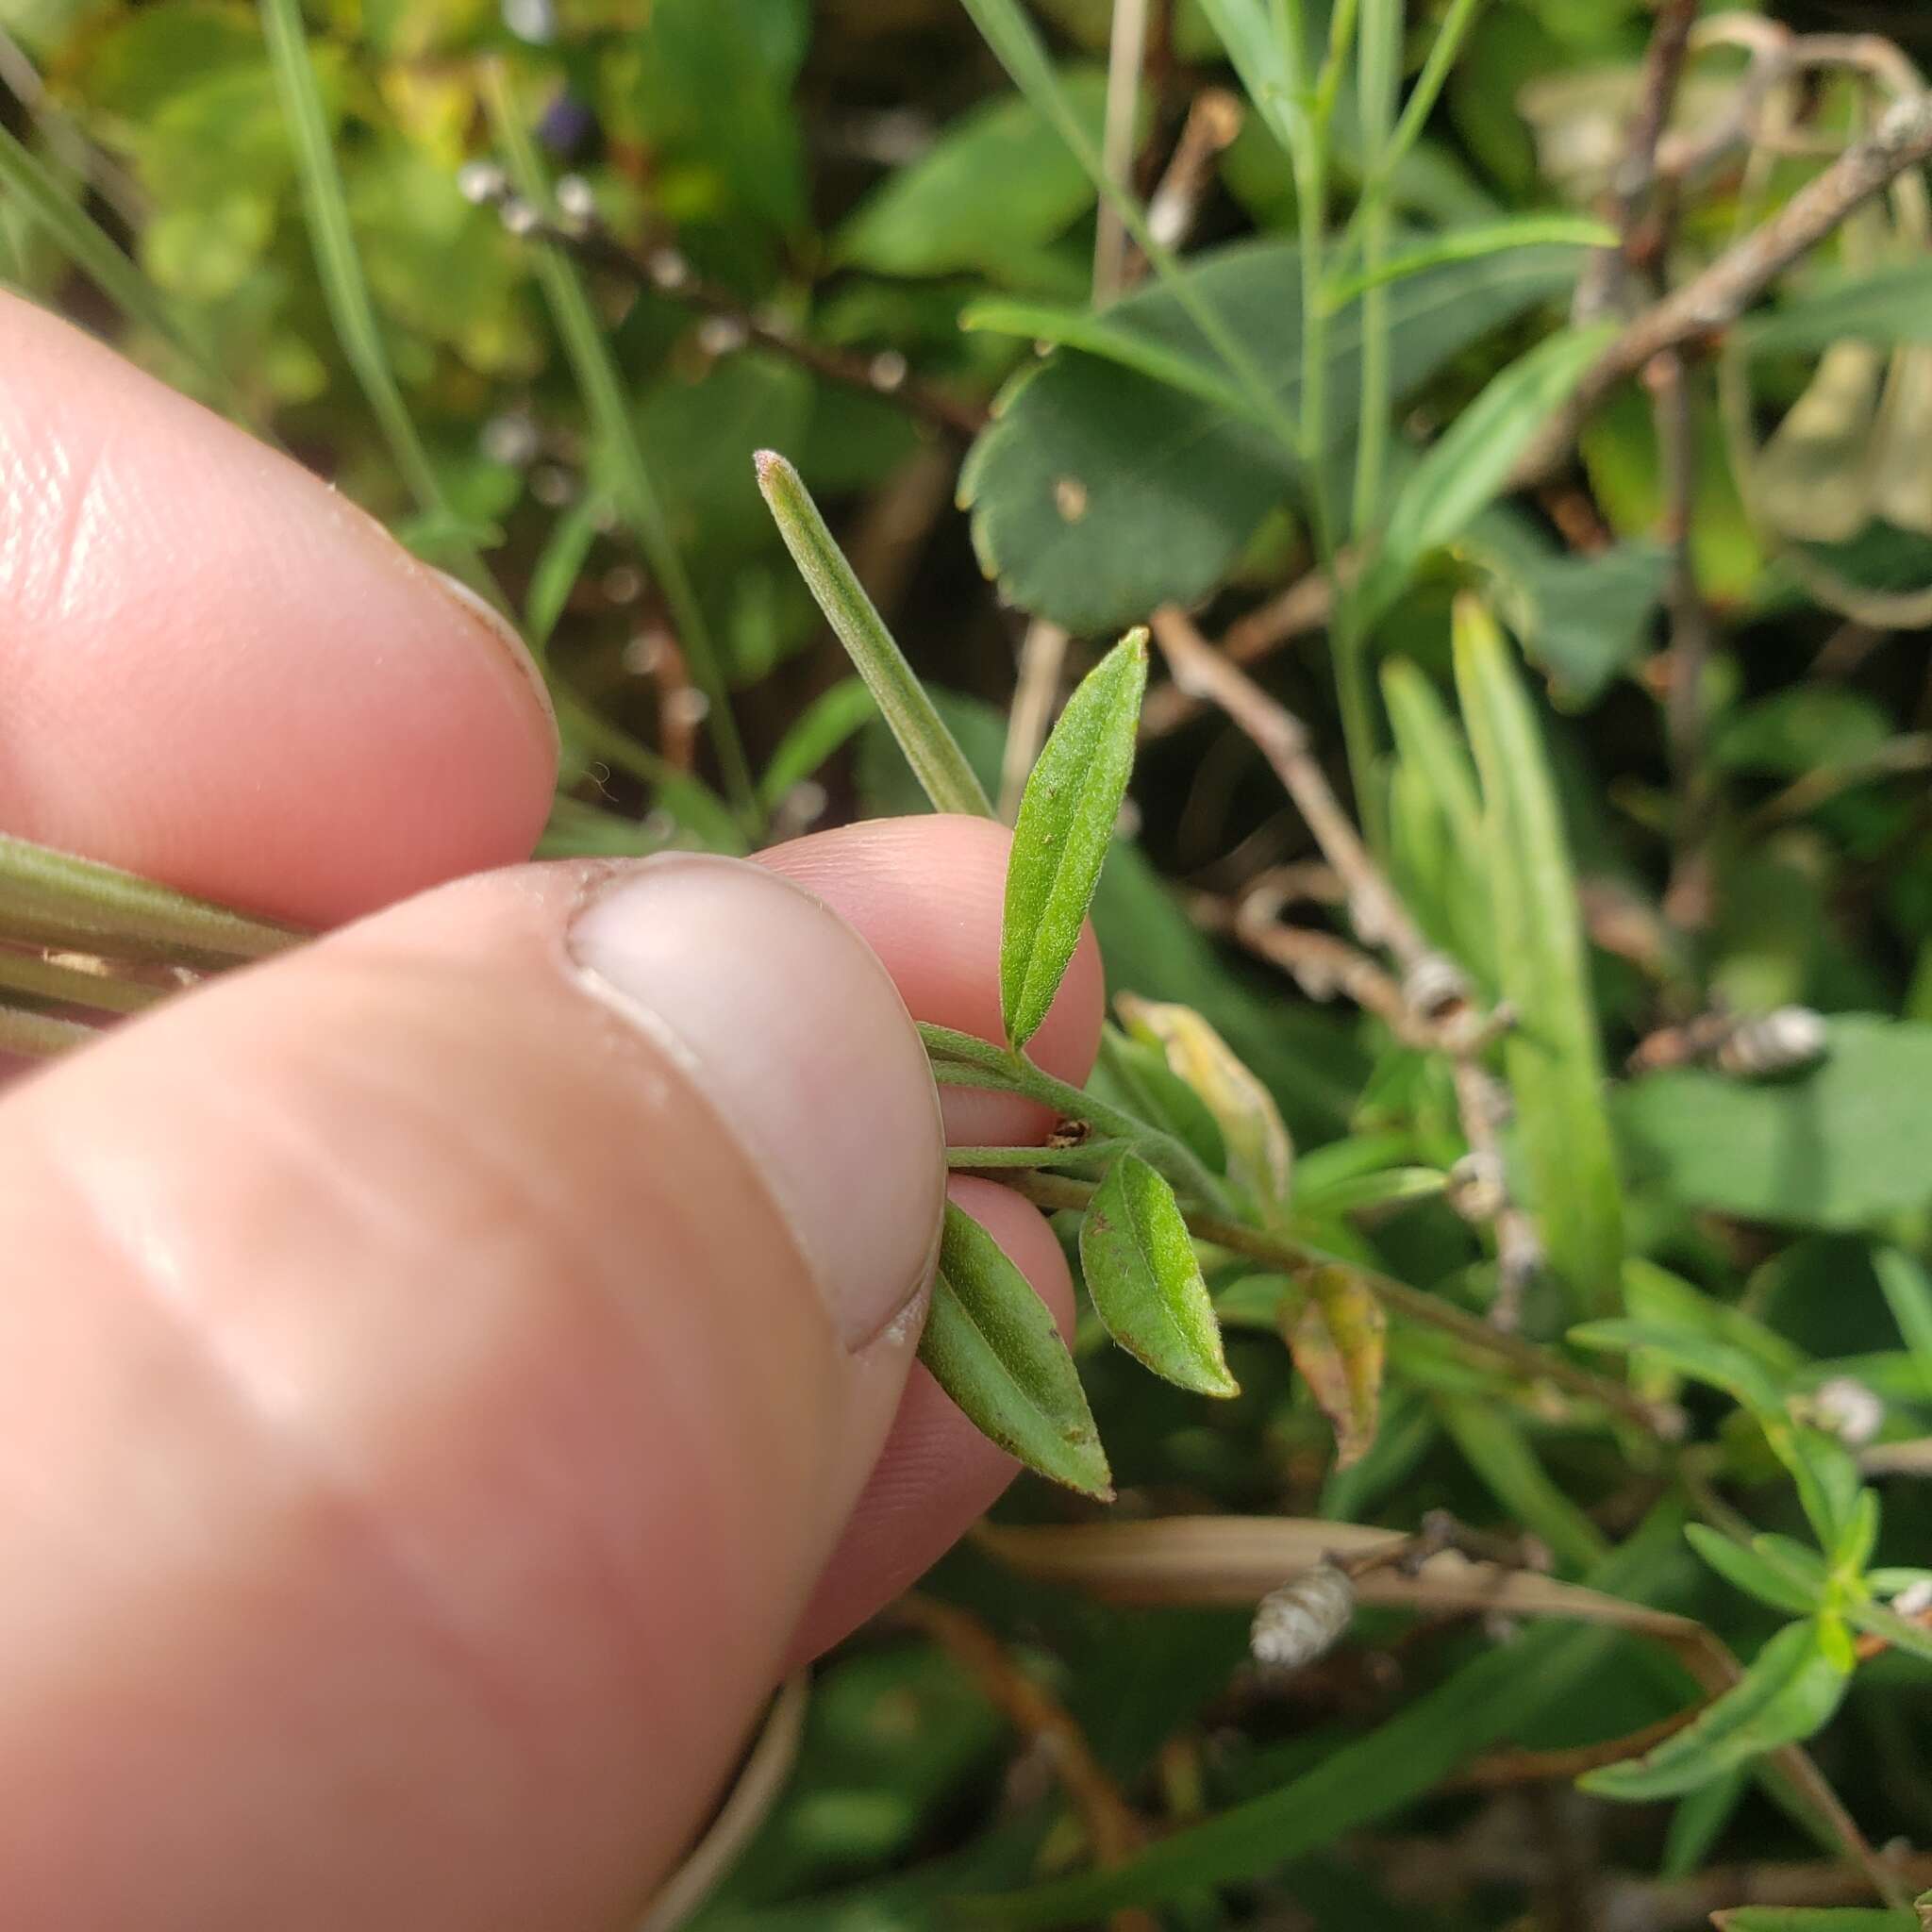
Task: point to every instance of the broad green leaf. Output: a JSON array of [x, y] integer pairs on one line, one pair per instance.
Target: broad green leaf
[[1553, 1057], [1790, 1690], [1371, 1777], [818, 731], [1499, 1450], [991, 1345], [1891, 304], [1337, 1333], [1804, 725], [995, 186], [930, 749], [1259, 1155], [1145, 1282], [1748, 1570], [1841, 1145], [1061, 838], [1908, 1295], [1101, 491], [1471, 243], [1815, 1918], [1469, 464]]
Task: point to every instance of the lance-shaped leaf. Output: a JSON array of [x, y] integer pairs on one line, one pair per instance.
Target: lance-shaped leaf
[[1260, 1155], [1823, 1919], [1796, 1590], [1147, 1285], [1335, 1331], [1790, 1690], [930, 749], [991, 1345], [1059, 841]]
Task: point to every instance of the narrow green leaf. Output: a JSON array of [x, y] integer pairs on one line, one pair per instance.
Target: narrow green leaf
[[1882, 306], [1471, 244], [1790, 1690], [1553, 1058], [1702, 1358], [1700, 1818], [930, 749], [1141, 1269], [343, 285], [1499, 1450], [1815, 1918], [991, 1345], [1061, 838], [32, 186], [1098, 335], [633, 487], [1466, 467], [1908, 1294], [1748, 1570], [559, 566], [819, 729]]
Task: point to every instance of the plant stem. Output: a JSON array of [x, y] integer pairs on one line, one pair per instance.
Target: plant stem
[[1412, 1304], [1378, 51]]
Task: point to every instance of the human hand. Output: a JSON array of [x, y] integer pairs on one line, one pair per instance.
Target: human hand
[[449, 1371]]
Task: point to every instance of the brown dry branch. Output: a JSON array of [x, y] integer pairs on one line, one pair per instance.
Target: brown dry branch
[[1299, 610], [1114, 1831], [1710, 302], [1234, 1561], [666, 273], [1042, 659], [1429, 1008]]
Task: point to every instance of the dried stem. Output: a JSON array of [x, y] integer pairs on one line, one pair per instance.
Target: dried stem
[[1126, 51], [1042, 659], [1299, 610], [666, 273], [1428, 1007], [1710, 302], [1113, 1829]]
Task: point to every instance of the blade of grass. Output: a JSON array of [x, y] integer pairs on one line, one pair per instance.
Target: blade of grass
[[1553, 1058], [930, 749], [345, 287], [1013, 39], [632, 485], [32, 185], [35, 1036], [1463, 245]]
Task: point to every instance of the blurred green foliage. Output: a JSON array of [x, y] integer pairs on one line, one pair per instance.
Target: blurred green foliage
[[851, 179]]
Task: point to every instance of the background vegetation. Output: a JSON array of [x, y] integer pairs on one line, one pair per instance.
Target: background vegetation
[[1536, 398]]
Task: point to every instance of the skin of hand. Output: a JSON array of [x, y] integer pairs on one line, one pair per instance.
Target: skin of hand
[[450, 1371]]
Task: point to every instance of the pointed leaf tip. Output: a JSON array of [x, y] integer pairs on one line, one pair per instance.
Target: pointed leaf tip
[[1065, 826], [1145, 1281]]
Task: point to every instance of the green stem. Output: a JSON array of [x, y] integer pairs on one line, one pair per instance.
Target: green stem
[[53, 898], [963, 1059], [1379, 50], [36, 1037], [72, 986], [1412, 1304]]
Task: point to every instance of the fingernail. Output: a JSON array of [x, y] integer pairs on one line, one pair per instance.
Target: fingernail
[[505, 635], [784, 1019]]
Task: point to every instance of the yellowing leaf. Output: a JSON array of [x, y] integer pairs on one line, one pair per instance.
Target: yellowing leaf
[[1261, 1154], [1335, 1333]]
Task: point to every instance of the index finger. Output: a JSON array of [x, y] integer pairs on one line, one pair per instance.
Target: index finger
[[222, 674]]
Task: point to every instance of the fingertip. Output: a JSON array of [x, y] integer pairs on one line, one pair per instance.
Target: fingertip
[[225, 676], [928, 895], [937, 1474]]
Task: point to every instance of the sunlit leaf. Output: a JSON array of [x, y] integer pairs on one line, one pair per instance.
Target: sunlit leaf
[[1061, 838], [991, 1345], [1145, 1282]]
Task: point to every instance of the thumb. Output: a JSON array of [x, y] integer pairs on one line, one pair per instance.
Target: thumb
[[437, 1366]]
